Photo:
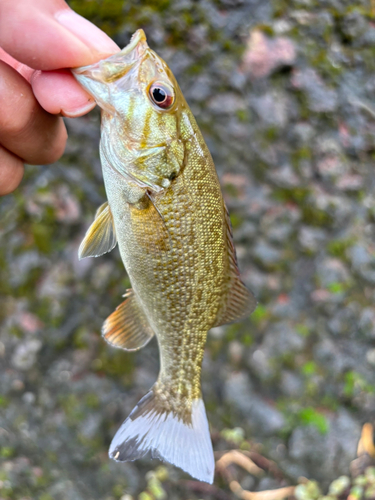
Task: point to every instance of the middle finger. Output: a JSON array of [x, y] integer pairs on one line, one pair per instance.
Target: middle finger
[[26, 129]]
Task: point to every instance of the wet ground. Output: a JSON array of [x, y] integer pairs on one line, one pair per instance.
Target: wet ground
[[284, 93]]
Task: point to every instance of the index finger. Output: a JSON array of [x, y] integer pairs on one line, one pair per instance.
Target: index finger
[[48, 35]]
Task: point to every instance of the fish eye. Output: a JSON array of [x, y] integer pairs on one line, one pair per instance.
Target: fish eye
[[162, 95]]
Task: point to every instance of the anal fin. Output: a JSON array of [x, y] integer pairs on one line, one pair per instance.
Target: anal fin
[[127, 327], [240, 301]]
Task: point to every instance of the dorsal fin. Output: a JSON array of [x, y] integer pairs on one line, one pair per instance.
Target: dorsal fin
[[127, 327], [240, 301], [100, 237]]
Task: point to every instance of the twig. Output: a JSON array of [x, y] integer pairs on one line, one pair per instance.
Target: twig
[[278, 494], [243, 460], [366, 442], [265, 463], [206, 489], [238, 458]]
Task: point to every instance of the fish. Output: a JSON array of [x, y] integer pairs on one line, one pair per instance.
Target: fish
[[166, 212]]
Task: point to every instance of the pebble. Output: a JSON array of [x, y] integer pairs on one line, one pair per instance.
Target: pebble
[[25, 355]]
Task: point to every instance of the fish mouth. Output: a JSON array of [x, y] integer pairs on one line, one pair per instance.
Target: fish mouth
[[116, 65]]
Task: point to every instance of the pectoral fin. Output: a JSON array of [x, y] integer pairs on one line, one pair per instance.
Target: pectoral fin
[[127, 327], [240, 301], [100, 238]]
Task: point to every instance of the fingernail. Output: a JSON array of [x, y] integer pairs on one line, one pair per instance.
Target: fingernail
[[86, 31], [74, 113]]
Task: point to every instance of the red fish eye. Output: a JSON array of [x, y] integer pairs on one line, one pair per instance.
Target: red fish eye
[[162, 95]]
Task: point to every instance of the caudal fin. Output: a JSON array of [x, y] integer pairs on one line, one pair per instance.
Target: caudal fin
[[184, 442]]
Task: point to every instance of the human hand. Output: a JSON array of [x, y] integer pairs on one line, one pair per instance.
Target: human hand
[[38, 40]]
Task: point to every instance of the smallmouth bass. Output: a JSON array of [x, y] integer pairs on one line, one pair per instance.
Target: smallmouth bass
[[166, 212]]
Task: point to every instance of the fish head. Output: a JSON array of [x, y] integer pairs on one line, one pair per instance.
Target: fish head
[[141, 110]]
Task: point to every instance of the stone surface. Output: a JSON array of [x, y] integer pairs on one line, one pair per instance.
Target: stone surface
[[284, 93]]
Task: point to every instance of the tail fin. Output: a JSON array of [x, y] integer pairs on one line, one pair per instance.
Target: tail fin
[[152, 427]]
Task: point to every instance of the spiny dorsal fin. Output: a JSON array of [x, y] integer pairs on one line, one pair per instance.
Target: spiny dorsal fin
[[240, 302], [127, 327], [100, 237]]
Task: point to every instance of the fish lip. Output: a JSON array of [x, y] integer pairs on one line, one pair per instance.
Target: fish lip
[[133, 51]]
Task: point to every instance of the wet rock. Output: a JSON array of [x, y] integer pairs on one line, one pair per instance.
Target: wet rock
[[334, 359], [370, 357], [65, 490], [320, 97], [353, 25], [332, 271], [227, 103], [280, 233], [260, 415], [260, 365], [283, 339], [291, 384], [273, 108], [360, 256], [266, 253], [288, 115], [345, 321], [367, 322], [284, 176], [324, 453], [311, 238], [264, 55], [25, 355]]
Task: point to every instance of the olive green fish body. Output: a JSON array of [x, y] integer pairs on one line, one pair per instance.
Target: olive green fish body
[[165, 209], [178, 267]]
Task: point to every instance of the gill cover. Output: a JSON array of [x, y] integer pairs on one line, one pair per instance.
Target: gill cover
[[141, 105]]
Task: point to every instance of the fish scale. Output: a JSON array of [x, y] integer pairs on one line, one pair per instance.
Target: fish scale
[[167, 213]]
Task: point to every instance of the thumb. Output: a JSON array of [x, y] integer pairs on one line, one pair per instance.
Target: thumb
[[49, 35]]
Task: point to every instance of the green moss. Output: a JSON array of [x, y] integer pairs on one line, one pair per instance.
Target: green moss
[[247, 339], [106, 14], [236, 435], [6, 452], [327, 69], [72, 408], [309, 368], [356, 493], [115, 363], [232, 332], [315, 217], [45, 496], [303, 330], [42, 237], [3, 402], [355, 382], [145, 496], [271, 133], [236, 220], [79, 338], [310, 416], [337, 287], [308, 491], [243, 115], [259, 315], [302, 154], [338, 248], [231, 190], [92, 400], [298, 195], [280, 8]]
